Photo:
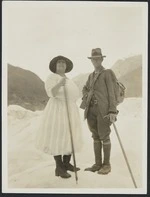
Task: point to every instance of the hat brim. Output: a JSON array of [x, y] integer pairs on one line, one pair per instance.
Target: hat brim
[[94, 57], [52, 64]]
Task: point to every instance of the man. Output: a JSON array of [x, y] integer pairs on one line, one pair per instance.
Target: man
[[99, 102]]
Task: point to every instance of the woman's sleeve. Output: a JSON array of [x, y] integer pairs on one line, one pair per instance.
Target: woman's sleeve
[[51, 81]]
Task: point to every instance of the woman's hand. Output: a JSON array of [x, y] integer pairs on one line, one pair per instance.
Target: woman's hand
[[62, 82]]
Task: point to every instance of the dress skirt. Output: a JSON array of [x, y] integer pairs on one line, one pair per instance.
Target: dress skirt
[[53, 136]]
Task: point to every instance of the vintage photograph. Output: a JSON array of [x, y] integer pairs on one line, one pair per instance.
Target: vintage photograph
[[74, 95]]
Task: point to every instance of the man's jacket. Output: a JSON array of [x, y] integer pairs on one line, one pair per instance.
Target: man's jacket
[[103, 90]]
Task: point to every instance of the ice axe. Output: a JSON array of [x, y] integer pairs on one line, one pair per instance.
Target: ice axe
[[124, 154], [71, 136]]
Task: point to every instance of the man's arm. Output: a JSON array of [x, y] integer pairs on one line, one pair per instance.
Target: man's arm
[[110, 82], [85, 89]]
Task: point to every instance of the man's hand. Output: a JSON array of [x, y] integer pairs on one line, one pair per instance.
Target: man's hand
[[112, 117]]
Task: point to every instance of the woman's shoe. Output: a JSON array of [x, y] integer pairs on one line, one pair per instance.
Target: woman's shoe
[[71, 168], [62, 173], [68, 165], [60, 168]]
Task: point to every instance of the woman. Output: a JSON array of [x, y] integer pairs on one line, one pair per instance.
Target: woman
[[54, 135]]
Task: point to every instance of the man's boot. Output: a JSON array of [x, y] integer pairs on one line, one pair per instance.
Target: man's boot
[[60, 169], [68, 165], [106, 168], [98, 157]]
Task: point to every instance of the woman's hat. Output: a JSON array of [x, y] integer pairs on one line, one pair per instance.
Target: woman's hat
[[96, 53], [52, 64]]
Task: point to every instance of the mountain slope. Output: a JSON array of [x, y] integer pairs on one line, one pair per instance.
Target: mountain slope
[[133, 83], [80, 81], [123, 67], [129, 72], [25, 89]]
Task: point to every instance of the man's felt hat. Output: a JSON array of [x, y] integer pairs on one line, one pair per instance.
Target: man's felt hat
[[96, 53]]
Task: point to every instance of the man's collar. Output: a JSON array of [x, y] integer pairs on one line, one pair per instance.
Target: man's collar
[[96, 72]]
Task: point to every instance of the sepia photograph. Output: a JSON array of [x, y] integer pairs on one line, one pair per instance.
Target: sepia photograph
[[74, 97]]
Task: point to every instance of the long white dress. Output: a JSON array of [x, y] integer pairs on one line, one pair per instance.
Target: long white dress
[[53, 136]]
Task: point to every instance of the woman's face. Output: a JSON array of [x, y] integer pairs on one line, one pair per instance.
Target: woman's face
[[60, 66]]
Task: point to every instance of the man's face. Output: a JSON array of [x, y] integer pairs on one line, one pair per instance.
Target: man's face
[[97, 61], [61, 66]]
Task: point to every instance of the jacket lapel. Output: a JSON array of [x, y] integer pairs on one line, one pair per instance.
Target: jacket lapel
[[90, 93], [94, 78]]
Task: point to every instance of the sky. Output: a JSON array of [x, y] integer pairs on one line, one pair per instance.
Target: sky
[[35, 32]]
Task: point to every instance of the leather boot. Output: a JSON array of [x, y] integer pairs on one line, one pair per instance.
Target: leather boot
[[106, 168], [60, 169], [68, 165], [98, 157]]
